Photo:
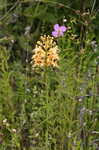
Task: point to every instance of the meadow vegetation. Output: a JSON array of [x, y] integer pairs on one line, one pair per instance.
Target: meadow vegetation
[[49, 75]]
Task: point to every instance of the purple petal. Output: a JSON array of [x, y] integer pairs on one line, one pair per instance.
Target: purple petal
[[60, 33], [56, 27], [63, 28], [55, 33]]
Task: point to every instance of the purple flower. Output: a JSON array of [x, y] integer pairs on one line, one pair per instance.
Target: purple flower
[[58, 30]]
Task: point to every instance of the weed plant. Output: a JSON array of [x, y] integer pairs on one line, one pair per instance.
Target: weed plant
[[54, 106]]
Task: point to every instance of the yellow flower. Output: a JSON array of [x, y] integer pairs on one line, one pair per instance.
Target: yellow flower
[[45, 52]]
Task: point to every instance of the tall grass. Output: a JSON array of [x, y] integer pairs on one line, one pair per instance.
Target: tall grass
[[49, 108]]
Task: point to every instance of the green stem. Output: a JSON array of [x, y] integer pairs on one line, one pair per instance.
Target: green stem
[[47, 101]]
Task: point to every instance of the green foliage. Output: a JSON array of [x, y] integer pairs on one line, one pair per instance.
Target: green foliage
[[49, 108]]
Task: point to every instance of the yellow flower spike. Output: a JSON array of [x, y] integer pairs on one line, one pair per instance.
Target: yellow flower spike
[[45, 52]]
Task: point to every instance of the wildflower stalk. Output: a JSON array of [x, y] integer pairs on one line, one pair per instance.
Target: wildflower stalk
[[47, 111], [45, 56], [47, 101]]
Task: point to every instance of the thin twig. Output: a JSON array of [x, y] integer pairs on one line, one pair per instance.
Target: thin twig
[[93, 6], [60, 4]]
